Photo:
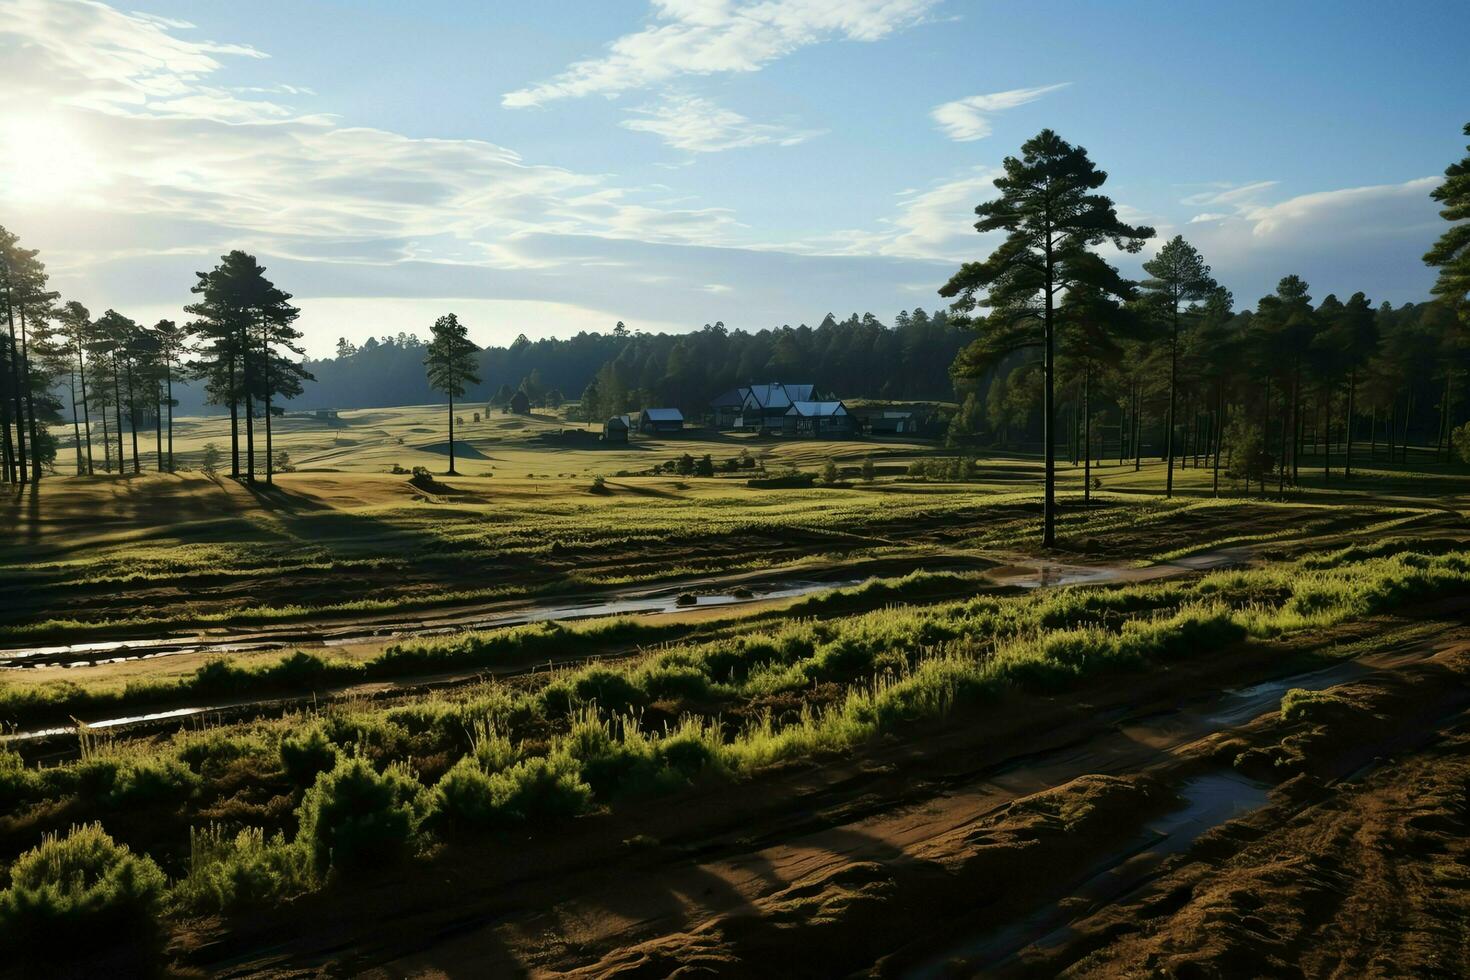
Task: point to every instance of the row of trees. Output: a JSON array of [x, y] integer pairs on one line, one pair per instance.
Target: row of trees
[[238, 346], [860, 356], [1251, 387]]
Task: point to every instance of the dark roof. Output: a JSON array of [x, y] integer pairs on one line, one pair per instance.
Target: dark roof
[[815, 409], [615, 422], [733, 398], [778, 395], [663, 415]]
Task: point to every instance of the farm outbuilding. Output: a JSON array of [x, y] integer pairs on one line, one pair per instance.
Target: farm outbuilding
[[660, 421], [765, 406], [520, 404], [891, 423], [818, 420], [615, 429], [725, 407]]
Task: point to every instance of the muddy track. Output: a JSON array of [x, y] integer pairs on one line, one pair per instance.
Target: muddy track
[[831, 867], [52, 740]]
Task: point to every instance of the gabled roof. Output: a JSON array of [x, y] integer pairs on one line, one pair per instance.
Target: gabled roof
[[617, 420], [733, 398], [663, 415], [778, 395], [817, 409]]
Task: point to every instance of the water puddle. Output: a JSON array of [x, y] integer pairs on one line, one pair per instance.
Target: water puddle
[[109, 723], [1208, 802], [656, 603]]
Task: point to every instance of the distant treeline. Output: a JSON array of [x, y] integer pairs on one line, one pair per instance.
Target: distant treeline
[[859, 357]]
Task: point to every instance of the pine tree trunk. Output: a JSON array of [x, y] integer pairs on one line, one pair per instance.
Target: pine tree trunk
[[1048, 409], [1219, 436], [86, 409], [270, 465], [451, 436], [1347, 458], [1288, 403], [1169, 430], [76, 425], [1327, 439], [106, 436], [249, 408], [1137, 446], [133, 419], [168, 380], [7, 450], [157, 426], [25, 367], [1087, 437], [234, 423], [15, 371], [122, 463]]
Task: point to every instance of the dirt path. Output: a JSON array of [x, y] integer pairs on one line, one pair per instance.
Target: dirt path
[[882, 861]]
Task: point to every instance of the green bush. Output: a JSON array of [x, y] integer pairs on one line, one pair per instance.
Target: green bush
[[467, 800], [540, 788], [229, 872], [82, 898], [17, 781], [307, 754], [354, 817], [609, 688], [152, 781], [462, 802]]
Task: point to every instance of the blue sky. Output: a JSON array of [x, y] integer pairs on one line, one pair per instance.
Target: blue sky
[[558, 166]]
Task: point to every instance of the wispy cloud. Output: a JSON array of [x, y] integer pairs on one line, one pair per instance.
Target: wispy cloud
[[697, 125], [147, 134], [703, 37], [968, 119], [933, 223]]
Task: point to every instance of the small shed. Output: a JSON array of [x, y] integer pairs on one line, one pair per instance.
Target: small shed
[[818, 420], [890, 423], [660, 421], [615, 429], [520, 404], [327, 414]]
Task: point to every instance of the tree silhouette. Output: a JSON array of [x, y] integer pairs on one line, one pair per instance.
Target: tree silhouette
[[451, 366], [1178, 277], [1052, 217]]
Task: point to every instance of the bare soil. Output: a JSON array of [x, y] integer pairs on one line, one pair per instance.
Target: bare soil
[[959, 850]]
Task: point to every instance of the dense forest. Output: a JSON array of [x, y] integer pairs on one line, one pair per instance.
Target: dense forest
[[854, 358]]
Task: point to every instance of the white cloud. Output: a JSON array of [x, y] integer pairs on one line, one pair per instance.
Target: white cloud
[[107, 113], [1231, 194], [1369, 238], [697, 125], [936, 223], [702, 37], [968, 119]]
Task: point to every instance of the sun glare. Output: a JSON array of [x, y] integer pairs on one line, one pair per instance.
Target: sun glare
[[43, 160]]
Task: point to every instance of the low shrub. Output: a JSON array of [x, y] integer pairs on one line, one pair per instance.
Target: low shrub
[[354, 817], [82, 899], [306, 754], [233, 871]]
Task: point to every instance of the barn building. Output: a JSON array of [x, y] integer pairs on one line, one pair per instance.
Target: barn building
[[818, 420], [661, 421], [615, 429], [765, 406]]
